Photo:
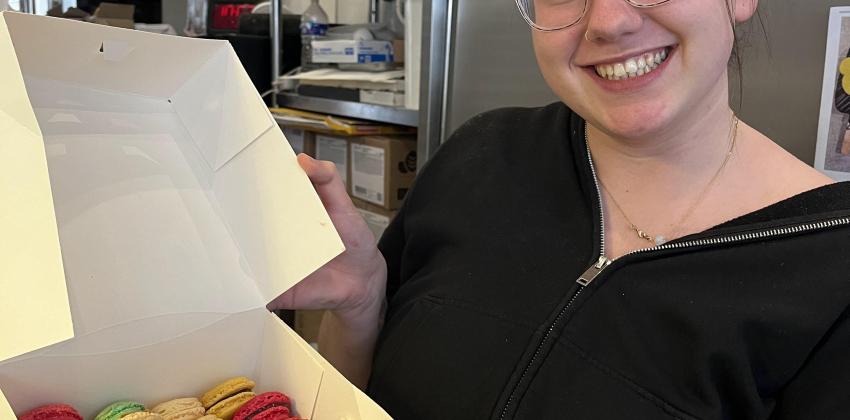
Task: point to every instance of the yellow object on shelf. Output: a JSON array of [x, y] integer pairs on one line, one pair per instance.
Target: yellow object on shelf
[[333, 124]]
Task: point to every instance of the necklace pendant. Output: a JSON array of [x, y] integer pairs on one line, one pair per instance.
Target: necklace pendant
[[660, 240], [644, 235]]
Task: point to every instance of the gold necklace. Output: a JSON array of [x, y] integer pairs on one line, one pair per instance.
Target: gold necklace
[[660, 239]]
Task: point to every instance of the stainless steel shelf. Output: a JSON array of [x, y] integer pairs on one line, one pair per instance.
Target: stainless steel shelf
[[380, 113]]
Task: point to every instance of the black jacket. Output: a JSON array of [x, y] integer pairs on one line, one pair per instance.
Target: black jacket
[[486, 319]]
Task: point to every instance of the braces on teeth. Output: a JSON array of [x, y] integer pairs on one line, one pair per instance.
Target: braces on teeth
[[633, 67]]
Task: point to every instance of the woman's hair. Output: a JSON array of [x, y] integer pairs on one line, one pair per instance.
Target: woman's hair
[[738, 42]]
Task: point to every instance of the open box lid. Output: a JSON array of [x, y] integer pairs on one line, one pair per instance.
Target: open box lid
[[141, 175]]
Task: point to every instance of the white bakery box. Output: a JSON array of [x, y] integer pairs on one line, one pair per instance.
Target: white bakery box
[[150, 208]]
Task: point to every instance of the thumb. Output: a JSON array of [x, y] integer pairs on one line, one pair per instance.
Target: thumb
[[327, 182]]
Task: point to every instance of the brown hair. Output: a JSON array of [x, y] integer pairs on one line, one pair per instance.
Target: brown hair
[[740, 41]]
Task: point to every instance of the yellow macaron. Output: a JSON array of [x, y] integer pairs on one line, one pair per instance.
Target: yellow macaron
[[226, 389], [228, 406]]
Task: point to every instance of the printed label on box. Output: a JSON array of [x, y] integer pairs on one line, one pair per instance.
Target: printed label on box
[[367, 173], [296, 139], [336, 151], [376, 222]]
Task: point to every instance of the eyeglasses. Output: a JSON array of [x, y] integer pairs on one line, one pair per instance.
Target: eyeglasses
[[554, 15]]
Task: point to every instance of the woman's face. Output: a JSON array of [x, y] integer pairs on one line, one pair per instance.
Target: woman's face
[[695, 36]]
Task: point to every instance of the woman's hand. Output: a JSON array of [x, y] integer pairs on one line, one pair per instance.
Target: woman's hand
[[353, 284]]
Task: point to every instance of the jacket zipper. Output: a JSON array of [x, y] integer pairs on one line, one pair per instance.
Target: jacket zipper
[[603, 262]]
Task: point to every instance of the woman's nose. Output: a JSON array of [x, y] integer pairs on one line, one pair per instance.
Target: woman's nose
[[608, 20]]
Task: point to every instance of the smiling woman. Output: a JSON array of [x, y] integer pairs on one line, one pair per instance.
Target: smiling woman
[[633, 251]]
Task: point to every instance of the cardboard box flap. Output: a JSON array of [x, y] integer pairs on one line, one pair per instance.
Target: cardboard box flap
[[298, 376], [162, 242], [146, 226], [221, 108], [14, 101], [5, 409], [258, 186], [106, 58], [338, 399], [368, 408], [31, 271]]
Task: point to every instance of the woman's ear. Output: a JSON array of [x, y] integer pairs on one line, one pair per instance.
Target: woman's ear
[[744, 9]]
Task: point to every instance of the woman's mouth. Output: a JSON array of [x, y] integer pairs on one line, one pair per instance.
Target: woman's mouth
[[633, 67]]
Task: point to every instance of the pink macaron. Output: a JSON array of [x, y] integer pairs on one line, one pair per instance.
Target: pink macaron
[[266, 406], [52, 412]]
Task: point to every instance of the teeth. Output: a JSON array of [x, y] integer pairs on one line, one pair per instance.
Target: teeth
[[632, 67], [619, 70]]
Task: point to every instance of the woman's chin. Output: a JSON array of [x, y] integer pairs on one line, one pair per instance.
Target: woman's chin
[[628, 129]]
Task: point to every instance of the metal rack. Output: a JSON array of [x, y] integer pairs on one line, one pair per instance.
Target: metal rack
[[379, 113], [430, 118]]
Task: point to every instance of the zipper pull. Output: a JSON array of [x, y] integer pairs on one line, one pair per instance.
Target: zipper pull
[[593, 271]]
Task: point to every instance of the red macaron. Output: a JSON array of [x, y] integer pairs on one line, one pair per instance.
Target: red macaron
[[266, 406], [52, 412]]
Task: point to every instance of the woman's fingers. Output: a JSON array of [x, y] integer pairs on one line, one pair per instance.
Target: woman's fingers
[[326, 180]]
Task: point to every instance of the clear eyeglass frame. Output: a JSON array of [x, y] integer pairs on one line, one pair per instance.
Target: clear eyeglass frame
[[530, 21]]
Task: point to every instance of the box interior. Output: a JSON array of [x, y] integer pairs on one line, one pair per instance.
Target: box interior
[[161, 207], [83, 374], [181, 211]]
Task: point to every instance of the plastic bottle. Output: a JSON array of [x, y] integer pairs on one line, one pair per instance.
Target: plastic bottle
[[196, 18], [314, 27]]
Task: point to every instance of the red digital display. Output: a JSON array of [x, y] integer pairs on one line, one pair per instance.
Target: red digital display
[[226, 16]]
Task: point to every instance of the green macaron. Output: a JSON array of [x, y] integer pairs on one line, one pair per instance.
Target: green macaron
[[119, 409]]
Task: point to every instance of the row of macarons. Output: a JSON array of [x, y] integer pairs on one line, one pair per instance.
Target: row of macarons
[[232, 399]]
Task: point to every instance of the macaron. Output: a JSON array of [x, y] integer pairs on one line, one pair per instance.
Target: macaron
[[209, 417], [274, 414], [180, 409], [52, 412], [268, 405], [226, 389], [142, 415], [228, 406], [119, 409]]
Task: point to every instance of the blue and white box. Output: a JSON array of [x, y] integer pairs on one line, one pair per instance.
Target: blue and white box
[[342, 51]]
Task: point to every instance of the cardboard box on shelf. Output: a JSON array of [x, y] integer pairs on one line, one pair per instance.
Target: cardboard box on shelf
[[398, 50], [114, 14], [302, 141], [349, 51], [110, 14], [376, 217], [150, 222], [382, 169], [382, 97], [336, 150]]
